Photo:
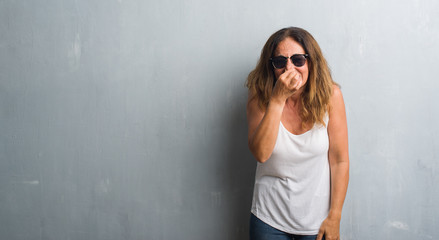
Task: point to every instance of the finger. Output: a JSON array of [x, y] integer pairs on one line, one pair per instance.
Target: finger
[[292, 79], [320, 234], [300, 80], [300, 83], [286, 77], [297, 83], [331, 238]]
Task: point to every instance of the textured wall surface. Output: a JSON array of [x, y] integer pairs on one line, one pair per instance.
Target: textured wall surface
[[125, 119]]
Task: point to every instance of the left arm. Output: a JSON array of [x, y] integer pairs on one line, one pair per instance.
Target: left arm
[[339, 165]]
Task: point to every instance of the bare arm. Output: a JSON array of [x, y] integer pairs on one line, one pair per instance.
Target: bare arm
[[339, 165], [263, 126]]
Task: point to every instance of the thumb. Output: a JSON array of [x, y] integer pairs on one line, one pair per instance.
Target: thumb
[[320, 235]]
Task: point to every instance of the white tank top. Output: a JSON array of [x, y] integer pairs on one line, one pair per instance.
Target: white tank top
[[292, 188]]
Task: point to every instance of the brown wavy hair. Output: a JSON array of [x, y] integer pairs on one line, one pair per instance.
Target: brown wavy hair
[[318, 88]]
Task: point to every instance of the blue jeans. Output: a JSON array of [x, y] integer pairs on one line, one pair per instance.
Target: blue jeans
[[262, 231]]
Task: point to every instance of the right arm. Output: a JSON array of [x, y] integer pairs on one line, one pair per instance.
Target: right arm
[[263, 126]]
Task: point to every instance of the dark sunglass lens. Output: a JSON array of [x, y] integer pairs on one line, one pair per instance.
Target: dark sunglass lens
[[279, 62], [298, 60]]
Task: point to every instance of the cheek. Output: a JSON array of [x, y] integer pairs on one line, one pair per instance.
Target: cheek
[[305, 73]]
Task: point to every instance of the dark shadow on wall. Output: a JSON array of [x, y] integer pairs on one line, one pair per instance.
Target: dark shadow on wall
[[240, 166]]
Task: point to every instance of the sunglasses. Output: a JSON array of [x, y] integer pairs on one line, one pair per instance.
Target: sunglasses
[[297, 59]]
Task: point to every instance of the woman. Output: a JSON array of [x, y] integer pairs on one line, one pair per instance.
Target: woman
[[297, 132]]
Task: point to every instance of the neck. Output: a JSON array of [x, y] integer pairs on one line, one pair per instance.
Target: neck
[[293, 101]]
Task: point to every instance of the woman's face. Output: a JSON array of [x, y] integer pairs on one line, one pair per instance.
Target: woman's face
[[287, 48]]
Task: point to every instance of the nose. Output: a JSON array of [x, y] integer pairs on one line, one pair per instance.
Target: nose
[[290, 64]]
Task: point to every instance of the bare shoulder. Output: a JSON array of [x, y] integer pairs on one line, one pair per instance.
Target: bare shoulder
[[336, 94], [253, 104], [337, 128], [337, 111], [336, 101], [254, 112]]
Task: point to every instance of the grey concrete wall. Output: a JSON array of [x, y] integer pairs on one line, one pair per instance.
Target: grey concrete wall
[[126, 119]]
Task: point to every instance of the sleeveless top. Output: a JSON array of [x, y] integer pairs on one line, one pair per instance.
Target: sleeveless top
[[292, 188]]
